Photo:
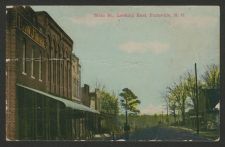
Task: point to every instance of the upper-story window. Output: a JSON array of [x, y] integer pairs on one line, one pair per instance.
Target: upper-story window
[[32, 62], [32, 32], [74, 87], [19, 21], [40, 66], [77, 88], [24, 56], [68, 73]]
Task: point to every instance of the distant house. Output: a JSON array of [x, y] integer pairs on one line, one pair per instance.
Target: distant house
[[217, 108], [208, 114], [208, 99]]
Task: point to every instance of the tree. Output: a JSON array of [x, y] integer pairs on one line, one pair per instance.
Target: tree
[[172, 102], [129, 102], [211, 77], [166, 101], [183, 95], [211, 86], [178, 93], [110, 109], [173, 107], [178, 96], [190, 88], [109, 103]]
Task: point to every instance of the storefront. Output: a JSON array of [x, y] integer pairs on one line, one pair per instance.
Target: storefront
[[42, 116]]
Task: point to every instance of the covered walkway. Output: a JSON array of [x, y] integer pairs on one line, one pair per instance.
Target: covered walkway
[[43, 116]]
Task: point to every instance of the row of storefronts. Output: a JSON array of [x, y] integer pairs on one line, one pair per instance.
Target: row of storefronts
[[43, 88], [44, 116]]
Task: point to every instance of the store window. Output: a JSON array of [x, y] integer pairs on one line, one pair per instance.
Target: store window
[[32, 62], [40, 66], [24, 56]]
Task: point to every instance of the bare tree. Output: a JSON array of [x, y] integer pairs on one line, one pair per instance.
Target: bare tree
[[178, 96], [165, 97], [190, 87]]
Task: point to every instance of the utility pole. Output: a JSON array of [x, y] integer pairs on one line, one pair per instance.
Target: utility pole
[[196, 96], [126, 124], [126, 114], [167, 114], [167, 111]]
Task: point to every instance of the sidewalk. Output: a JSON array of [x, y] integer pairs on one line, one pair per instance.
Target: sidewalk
[[108, 137], [210, 134], [102, 137]]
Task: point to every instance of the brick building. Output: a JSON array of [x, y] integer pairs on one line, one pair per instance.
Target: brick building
[[40, 103], [76, 79]]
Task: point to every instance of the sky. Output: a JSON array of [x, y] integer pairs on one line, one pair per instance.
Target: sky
[[117, 48]]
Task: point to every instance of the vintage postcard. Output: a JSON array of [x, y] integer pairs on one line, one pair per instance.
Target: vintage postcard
[[113, 73]]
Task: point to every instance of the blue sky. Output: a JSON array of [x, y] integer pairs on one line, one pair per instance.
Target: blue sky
[[145, 54]]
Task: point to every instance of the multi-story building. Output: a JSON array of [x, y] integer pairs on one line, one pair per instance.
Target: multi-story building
[[76, 79], [39, 72]]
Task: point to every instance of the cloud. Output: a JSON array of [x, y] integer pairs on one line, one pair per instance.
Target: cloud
[[143, 47], [90, 20], [152, 109], [193, 21]]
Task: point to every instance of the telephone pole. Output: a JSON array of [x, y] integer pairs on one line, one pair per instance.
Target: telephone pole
[[126, 114], [126, 123], [196, 96]]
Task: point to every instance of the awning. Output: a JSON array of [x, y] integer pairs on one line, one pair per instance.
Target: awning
[[68, 103]]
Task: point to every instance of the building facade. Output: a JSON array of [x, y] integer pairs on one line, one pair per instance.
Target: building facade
[[95, 100], [85, 95], [76, 79], [39, 80]]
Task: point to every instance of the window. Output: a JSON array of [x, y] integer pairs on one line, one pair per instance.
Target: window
[[32, 63], [79, 82], [78, 94], [19, 21], [24, 56], [68, 77], [63, 72], [58, 65], [49, 70], [74, 88], [40, 66], [27, 29], [53, 63], [32, 32]]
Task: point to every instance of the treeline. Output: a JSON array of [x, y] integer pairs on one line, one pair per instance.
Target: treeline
[[144, 121], [181, 96]]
